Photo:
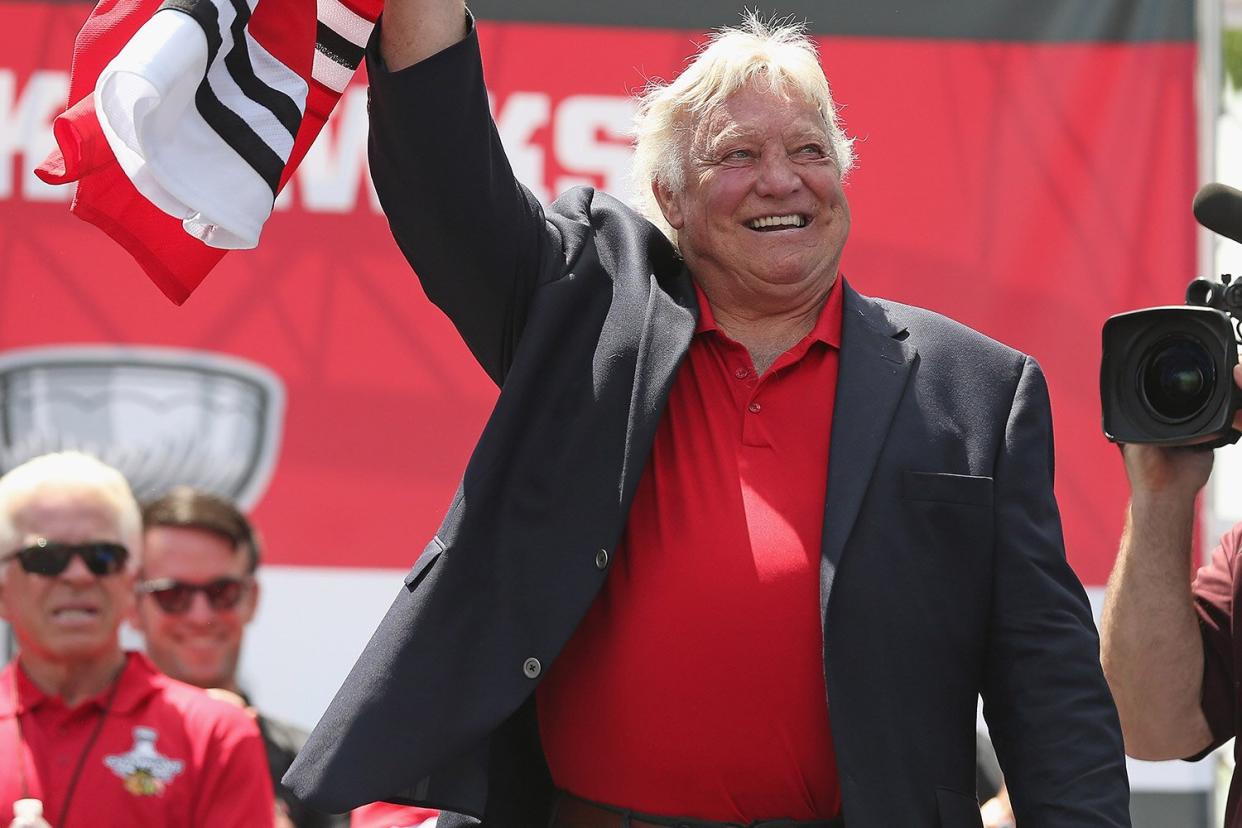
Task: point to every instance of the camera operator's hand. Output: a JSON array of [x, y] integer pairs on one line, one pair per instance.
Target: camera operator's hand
[[1171, 472], [1166, 472], [1237, 380], [1150, 643]]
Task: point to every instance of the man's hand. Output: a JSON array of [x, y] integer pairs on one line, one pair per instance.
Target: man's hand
[[997, 812], [220, 694], [1171, 472], [1166, 471]]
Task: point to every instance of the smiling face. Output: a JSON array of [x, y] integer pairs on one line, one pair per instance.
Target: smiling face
[[200, 646], [70, 619], [762, 218]]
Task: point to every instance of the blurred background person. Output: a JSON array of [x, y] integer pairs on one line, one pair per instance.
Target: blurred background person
[[197, 594], [95, 733], [1166, 640]]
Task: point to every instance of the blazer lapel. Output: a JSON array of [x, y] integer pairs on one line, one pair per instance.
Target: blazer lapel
[[668, 325], [875, 364]]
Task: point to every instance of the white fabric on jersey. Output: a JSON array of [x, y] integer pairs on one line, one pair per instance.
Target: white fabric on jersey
[[172, 107]]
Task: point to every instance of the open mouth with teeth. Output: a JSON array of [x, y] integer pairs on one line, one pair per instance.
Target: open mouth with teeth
[[767, 224], [76, 614]]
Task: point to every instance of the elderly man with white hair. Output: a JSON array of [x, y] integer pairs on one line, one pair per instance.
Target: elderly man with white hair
[[89, 734], [738, 544]]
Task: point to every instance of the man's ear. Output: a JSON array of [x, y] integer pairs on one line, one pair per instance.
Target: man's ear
[[670, 205], [252, 600]]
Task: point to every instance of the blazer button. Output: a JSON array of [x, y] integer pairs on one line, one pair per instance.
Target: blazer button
[[532, 668], [601, 559]]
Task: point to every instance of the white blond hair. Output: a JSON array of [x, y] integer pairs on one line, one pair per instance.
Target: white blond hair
[[69, 471], [776, 54]]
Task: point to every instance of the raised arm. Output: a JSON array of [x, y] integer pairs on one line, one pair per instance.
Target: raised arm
[[1151, 645], [477, 238], [1152, 635]]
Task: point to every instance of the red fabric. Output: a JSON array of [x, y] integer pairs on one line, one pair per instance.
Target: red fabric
[[223, 778], [1216, 593], [695, 685], [175, 261], [387, 815]]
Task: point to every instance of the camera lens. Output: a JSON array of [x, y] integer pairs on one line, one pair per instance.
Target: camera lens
[[1176, 378]]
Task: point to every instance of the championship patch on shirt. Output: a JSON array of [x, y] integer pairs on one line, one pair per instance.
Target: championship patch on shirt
[[143, 769]]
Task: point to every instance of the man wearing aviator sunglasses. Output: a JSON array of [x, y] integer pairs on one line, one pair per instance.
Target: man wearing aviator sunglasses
[[98, 735], [177, 597], [196, 595]]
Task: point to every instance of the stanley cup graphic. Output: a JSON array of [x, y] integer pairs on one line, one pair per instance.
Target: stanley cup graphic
[[162, 416]]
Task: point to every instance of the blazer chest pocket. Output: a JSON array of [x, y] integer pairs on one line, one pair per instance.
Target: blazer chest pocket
[[431, 554], [937, 487]]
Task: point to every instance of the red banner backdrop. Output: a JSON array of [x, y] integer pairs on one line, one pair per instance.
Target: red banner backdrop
[[1028, 189]]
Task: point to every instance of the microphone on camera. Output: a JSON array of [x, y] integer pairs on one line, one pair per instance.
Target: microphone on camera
[[1219, 209]]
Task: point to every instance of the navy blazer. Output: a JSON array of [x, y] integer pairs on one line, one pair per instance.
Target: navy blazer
[[943, 575]]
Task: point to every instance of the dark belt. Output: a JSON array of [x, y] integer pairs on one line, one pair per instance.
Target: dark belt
[[573, 812]]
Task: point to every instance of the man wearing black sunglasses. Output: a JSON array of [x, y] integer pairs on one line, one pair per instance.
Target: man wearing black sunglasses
[[98, 735], [196, 595]]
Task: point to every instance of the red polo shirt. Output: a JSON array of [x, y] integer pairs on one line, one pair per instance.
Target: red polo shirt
[[387, 815], [1217, 588], [695, 684], [167, 755]]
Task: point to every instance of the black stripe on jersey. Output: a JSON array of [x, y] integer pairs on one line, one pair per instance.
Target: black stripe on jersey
[[231, 127], [334, 46], [237, 61], [235, 132], [206, 16]]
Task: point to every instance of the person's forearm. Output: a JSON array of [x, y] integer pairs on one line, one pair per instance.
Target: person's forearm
[[413, 30], [1151, 648]]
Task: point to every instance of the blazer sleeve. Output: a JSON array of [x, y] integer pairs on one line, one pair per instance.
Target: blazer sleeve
[[1048, 708], [476, 237]]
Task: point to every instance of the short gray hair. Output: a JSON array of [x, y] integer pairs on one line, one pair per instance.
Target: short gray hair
[[69, 471], [777, 53]]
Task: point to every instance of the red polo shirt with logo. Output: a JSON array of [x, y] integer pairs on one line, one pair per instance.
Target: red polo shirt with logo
[[695, 685], [166, 755]]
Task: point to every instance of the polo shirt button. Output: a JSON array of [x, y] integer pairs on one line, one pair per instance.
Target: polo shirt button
[[754, 408], [532, 668], [601, 559], [741, 373]]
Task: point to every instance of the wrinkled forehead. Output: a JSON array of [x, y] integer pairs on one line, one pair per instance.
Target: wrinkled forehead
[[757, 112], [68, 514]]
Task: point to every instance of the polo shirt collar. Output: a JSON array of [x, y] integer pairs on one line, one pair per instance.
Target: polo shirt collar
[[138, 680], [827, 326]]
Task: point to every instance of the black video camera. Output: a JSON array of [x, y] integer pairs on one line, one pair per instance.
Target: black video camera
[[1167, 373]]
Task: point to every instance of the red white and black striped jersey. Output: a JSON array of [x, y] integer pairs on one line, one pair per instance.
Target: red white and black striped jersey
[[188, 117]]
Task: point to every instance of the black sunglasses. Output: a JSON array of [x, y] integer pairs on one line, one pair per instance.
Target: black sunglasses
[[50, 558], [175, 597]]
